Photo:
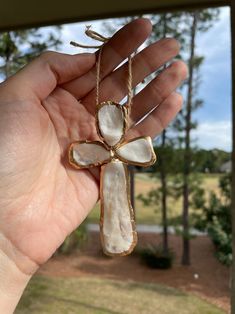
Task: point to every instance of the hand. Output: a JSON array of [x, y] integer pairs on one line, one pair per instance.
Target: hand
[[42, 199]]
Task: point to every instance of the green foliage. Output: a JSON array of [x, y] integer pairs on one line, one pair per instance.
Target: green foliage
[[180, 163], [156, 257], [222, 240], [207, 18], [165, 24], [75, 241], [185, 234], [167, 155], [216, 219], [210, 160], [19, 47], [152, 198], [202, 160]]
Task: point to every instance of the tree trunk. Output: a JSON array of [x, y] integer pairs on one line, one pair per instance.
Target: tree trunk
[[164, 197], [163, 172], [233, 154], [187, 152]]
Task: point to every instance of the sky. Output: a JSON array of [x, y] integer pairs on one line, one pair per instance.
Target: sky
[[214, 118]]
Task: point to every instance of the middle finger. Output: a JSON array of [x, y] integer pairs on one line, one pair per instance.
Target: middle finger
[[114, 86]]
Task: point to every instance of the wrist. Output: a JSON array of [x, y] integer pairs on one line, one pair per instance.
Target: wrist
[[12, 284], [15, 273]]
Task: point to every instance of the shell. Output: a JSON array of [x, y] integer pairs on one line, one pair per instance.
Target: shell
[[138, 151], [85, 154], [117, 224], [111, 122]]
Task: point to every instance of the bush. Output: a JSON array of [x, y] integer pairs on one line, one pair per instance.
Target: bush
[[222, 241], [74, 241], [217, 219], [156, 257]]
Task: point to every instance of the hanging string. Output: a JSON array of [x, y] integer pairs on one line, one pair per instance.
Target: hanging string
[[96, 36], [98, 63], [129, 85]]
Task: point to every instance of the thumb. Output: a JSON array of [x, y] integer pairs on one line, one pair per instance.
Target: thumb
[[40, 77]]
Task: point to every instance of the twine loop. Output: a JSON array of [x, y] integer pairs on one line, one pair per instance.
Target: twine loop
[[96, 36]]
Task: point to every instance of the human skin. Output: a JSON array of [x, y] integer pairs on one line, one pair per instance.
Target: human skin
[[42, 198]]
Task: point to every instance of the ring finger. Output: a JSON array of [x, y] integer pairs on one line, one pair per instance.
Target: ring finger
[[159, 118], [114, 86], [158, 90]]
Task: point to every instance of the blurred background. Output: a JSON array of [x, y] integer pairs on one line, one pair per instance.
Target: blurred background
[[182, 203]]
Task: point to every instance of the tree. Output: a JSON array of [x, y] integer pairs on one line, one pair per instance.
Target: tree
[[184, 26], [163, 22], [187, 154], [19, 47], [164, 25], [210, 161], [199, 21], [216, 218]]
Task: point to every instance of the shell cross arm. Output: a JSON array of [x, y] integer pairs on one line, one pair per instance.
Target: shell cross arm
[[85, 154], [138, 152]]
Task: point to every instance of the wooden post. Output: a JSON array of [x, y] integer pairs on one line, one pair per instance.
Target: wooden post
[[233, 152]]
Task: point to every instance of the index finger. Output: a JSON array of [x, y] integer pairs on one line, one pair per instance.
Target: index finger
[[40, 77]]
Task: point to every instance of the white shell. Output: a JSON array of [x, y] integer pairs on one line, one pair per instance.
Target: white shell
[[85, 154], [138, 151], [117, 225], [111, 123]]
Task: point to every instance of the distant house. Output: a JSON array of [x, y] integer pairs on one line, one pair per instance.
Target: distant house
[[226, 167]]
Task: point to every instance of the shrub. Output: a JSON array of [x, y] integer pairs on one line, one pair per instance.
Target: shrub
[[216, 219], [222, 240], [156, 257], [74, 241]]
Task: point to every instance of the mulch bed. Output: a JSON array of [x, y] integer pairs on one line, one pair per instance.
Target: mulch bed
[[206, 277]]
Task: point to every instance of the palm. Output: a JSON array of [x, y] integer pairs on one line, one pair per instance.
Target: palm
[[46, 199], [54, 191]]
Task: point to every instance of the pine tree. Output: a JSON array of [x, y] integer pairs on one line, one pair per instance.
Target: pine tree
[[19, 47], [199, 21], [177, 25], [183, 26], [165, 25]]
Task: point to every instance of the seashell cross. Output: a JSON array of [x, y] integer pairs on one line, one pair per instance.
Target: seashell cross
[[112, 153]]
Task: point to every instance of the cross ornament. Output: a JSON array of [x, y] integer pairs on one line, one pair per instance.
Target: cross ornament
[[113, 154]]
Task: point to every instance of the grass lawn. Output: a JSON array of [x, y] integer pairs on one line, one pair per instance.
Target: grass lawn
[[150, 214], [88, 295]]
